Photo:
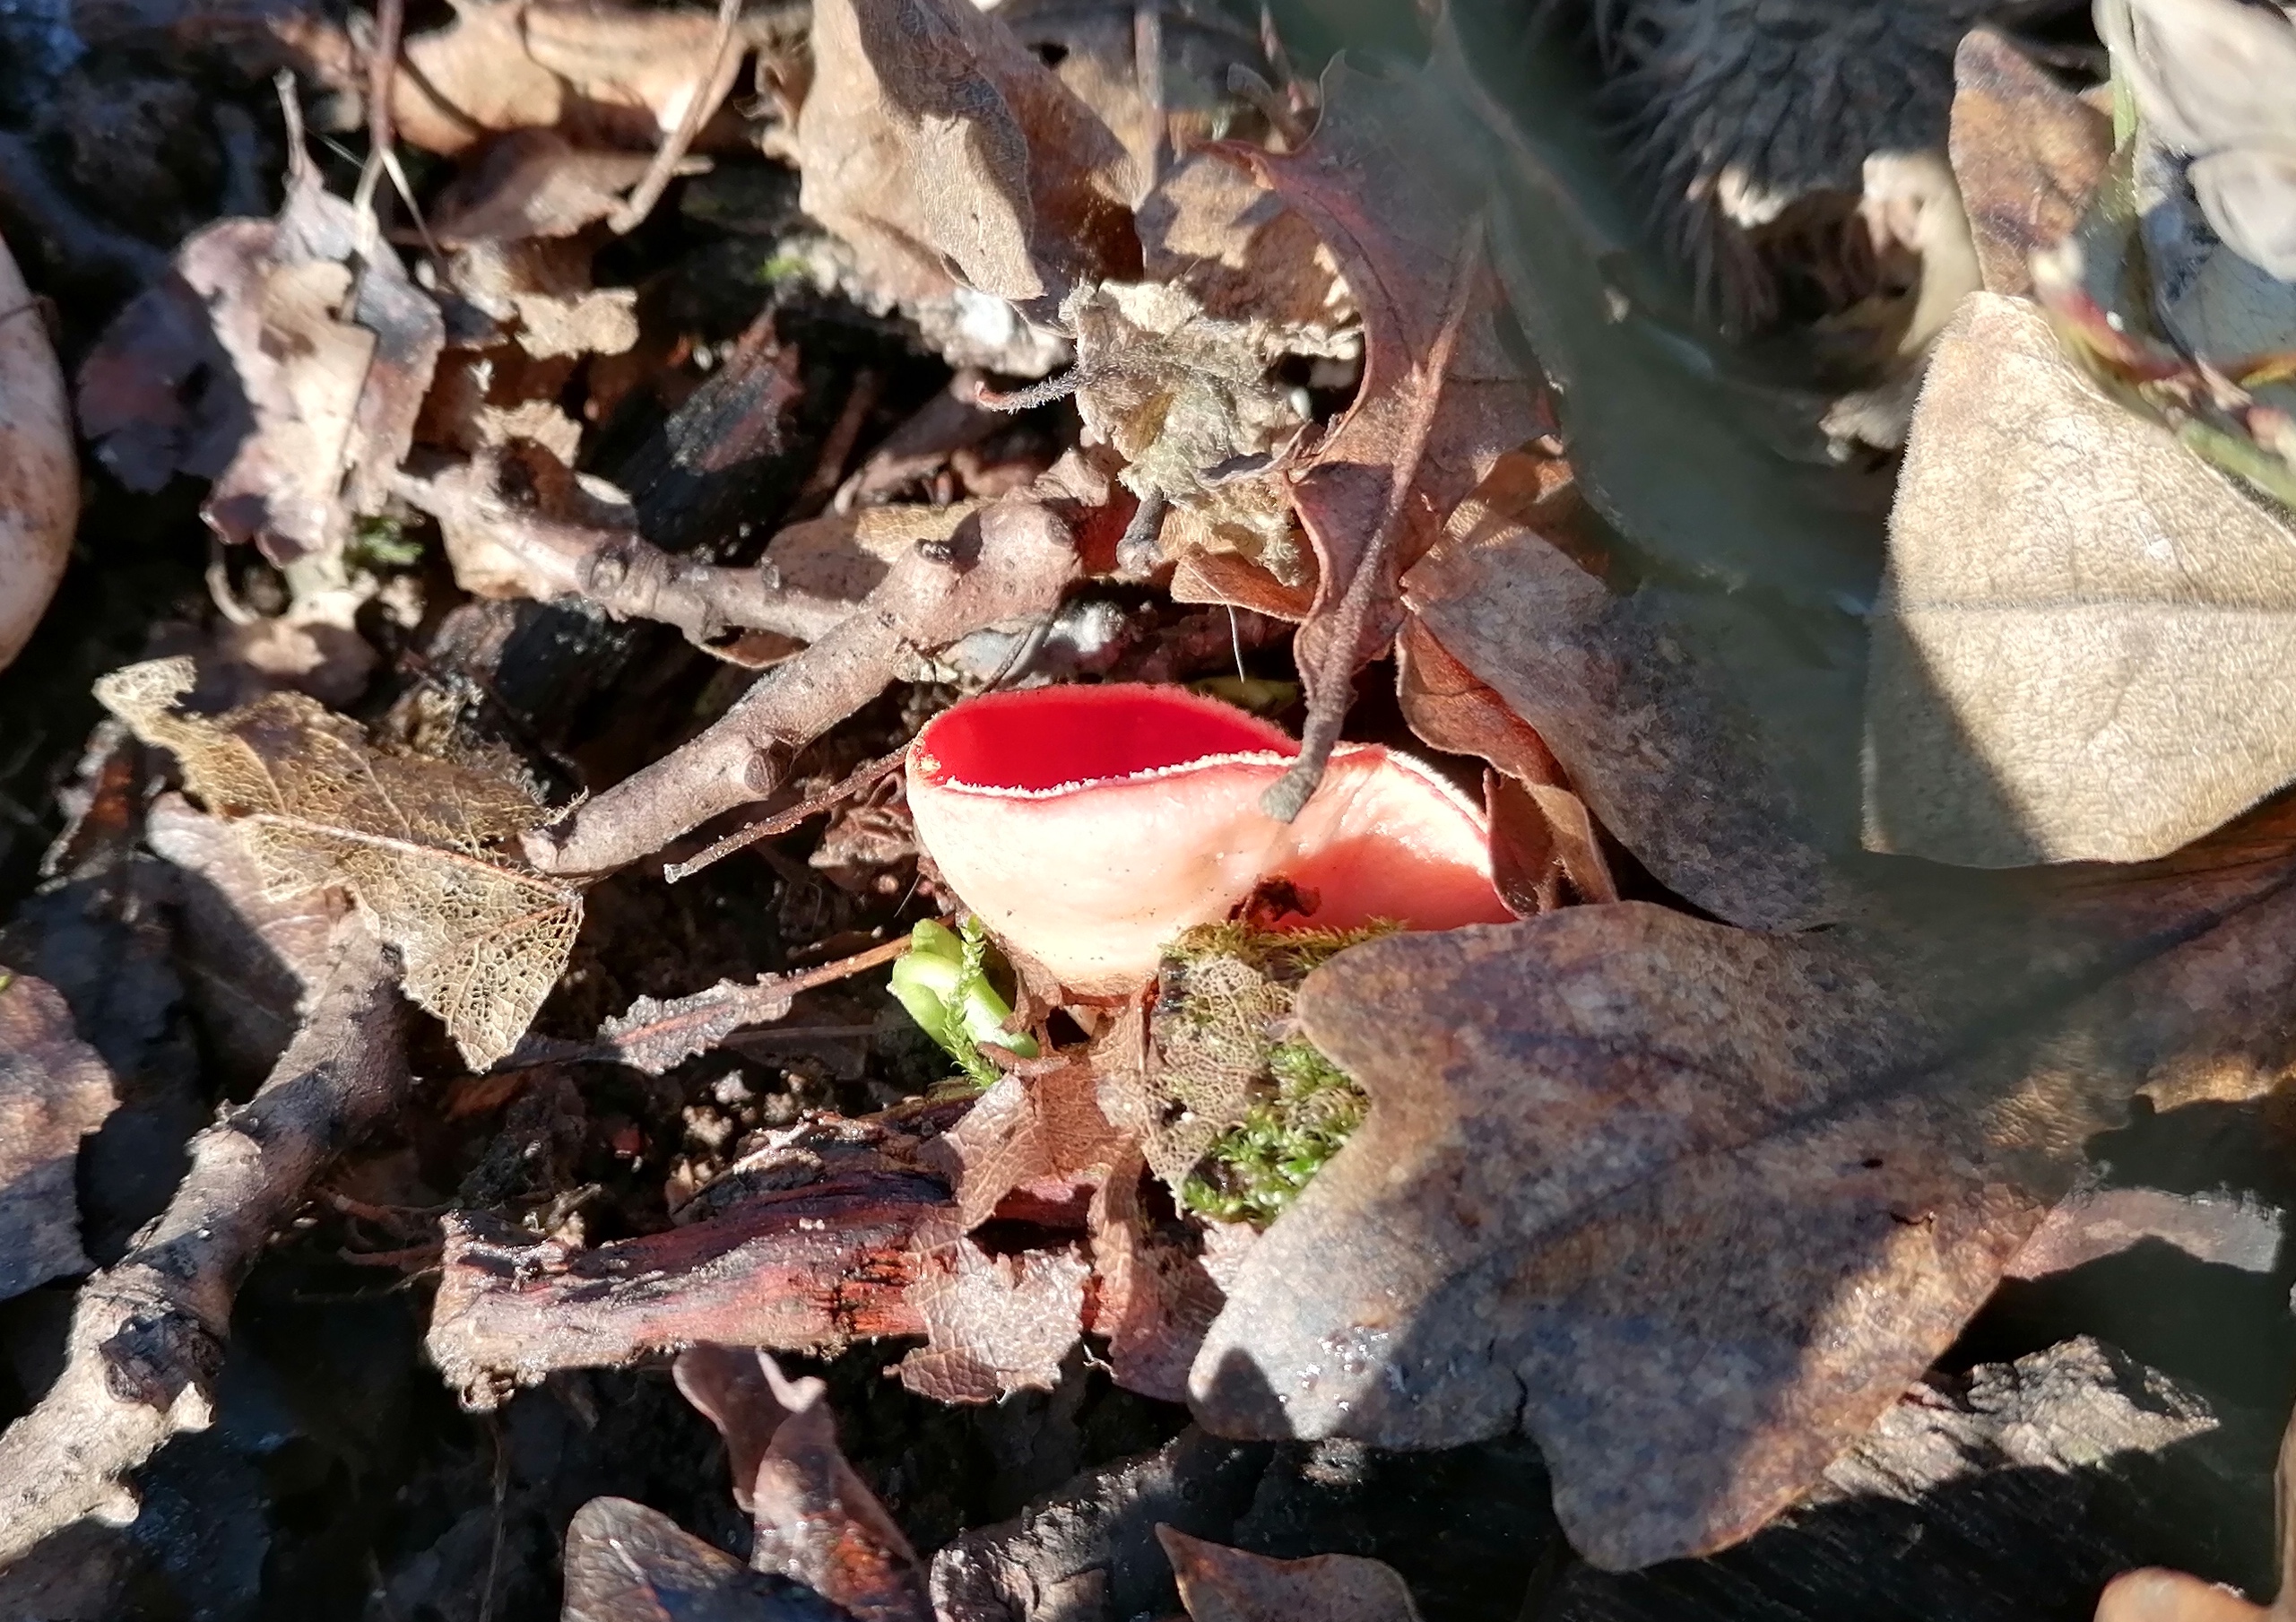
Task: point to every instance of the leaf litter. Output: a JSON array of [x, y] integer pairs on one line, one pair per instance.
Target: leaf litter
[[1868, 868]]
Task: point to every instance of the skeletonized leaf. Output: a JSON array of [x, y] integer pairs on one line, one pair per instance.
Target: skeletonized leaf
[[483, 941], [2082, 648], [995, 1324]]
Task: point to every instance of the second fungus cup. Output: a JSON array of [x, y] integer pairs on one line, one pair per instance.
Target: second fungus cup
[[1088, 825]]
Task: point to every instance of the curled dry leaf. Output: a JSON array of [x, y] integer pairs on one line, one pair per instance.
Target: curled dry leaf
[[626, 1563], [994, 1324], [1635, 707], [941, 149], [482, 940], [2027, 153], [817, 1521], [54, 1091], [39, 478], [1693, 1206], [2081, 651], [263, 361], [1216, 229], [1222, 1584], [1442, 395], [1091, 825]]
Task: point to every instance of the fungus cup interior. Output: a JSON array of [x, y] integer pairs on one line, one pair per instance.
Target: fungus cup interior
[[1089, 826]]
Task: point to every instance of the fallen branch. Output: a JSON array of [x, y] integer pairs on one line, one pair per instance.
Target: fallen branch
[[148, 1333], [807, 1269], [1008, 564], [619, 569]]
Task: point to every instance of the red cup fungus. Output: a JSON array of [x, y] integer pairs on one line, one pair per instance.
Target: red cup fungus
[[1088, 825]]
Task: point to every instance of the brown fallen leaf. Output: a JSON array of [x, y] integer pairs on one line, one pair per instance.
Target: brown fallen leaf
[[994, 1324], [323, 374], [533, 183], [54, 1091], [817, 1521], [39, 477], [602, 74], [2081, 651], [1636, 707], [935, 143], [2027, 153], [1442, 395], [1693, 1206], [1217, 229], [1222, 1584], [626, 1563], [482, 940]]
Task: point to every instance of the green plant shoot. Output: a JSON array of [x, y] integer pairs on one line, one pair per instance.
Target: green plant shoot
[[943, 980]]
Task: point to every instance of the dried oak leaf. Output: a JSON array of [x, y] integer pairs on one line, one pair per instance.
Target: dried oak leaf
[[942, 149], [483, 942], [2081, 651], [1222, 1584], [1693, 1206], [1442, 395], [994, 1324], [1024, 1129], [54, 1091], [298, 398], [1636, 709], [626, 1563], [2027, 153]]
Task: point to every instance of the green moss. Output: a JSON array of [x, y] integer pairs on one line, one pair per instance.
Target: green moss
[[380, 543], [1258, 1168]]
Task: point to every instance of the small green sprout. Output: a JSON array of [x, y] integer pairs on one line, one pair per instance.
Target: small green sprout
[[943, 981], [1259, 1166], [381, 543]]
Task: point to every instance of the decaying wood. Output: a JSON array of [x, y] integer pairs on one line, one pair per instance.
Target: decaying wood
[[148, 1333], [1007, 565], [807, 1269]]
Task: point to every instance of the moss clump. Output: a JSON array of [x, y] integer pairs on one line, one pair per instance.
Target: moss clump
[[1242, 1109], [1257, 1168]]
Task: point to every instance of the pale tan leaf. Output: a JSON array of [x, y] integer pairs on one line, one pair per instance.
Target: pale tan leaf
[[2082, 649], [40, 479], [482, 940]]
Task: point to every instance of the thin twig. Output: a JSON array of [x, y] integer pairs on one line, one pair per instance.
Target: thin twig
[[782, 823], [724, 62], [1008, 564], [382, 67], [148, 1333]]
